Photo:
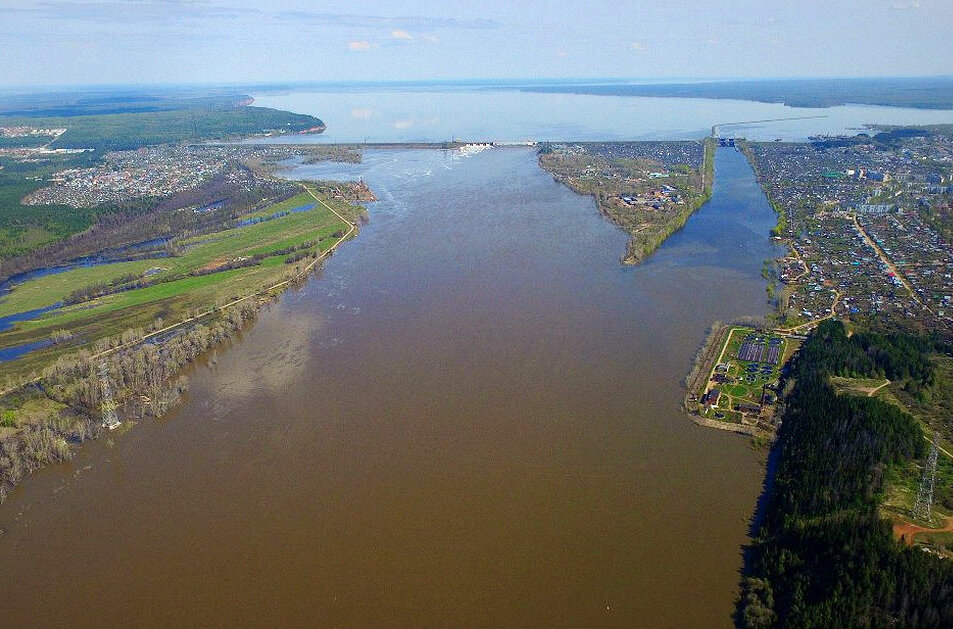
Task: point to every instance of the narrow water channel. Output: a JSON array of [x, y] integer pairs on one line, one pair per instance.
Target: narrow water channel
[[470, 418]]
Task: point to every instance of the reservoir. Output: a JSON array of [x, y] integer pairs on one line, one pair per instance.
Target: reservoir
[[490, 112], [470, 417]]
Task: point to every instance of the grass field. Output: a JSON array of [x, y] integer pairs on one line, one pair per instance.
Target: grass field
[[200, 251], [176, 290], [901, 492]]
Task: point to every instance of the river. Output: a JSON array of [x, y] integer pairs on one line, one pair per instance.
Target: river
[[470, 418]]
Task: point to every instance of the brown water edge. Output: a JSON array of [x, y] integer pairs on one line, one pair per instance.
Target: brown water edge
[[473, 419]]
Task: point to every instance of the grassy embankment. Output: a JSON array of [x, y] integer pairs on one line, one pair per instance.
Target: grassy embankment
[[179, 285]]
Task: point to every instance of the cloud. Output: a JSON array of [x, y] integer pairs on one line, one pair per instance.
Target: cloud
[[637, 45], [360, 46], [127, 11], [408, 23], [401, 35], [362, 113], [562, 53], [905, 6], [137, 11], [403, 124]]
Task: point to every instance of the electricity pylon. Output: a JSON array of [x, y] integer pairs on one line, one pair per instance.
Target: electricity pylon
[[108, 406], [924, 506]]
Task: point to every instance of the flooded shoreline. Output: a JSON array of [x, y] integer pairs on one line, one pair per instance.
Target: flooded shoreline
[[471, 416]]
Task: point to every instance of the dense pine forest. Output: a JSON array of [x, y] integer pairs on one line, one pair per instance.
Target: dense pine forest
[[823, 557]]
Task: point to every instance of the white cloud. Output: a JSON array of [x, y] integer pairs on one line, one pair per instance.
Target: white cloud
[[399, 35], [403, 124], [562, 53], [359, 45], [362, 113], [637, 45], [905, 6]]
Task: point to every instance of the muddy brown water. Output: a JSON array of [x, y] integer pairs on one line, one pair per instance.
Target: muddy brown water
[[471, 417]]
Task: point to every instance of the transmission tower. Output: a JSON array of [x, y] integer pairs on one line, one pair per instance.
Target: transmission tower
[[924, 506], [108, 406]]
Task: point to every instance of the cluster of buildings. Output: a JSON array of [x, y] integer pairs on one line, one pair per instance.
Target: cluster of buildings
[[670, 154], [868, 224], [636, 175], [21, 131], [923, 261], [125, 175], [160, 171], [656, 198]]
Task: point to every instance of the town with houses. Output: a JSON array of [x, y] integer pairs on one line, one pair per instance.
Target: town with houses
[[157, 171], [868, 221]]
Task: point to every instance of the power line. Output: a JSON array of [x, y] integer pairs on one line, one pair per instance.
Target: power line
[[108, 406], [924, 506]]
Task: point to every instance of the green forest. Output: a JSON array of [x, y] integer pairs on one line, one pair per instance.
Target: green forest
[[917, 92], [126, 131], [823, 557]]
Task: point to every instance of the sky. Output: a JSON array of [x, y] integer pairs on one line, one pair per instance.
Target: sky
[[62, 42]]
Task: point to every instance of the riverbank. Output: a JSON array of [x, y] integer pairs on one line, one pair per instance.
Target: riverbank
[[43, 417], [649, 189]]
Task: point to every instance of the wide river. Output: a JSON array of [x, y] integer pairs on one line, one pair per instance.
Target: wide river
[[471, 418]]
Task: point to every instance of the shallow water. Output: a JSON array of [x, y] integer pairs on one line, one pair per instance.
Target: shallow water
[[471, 418]]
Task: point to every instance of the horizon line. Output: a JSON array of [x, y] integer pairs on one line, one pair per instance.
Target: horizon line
[[674, 80]]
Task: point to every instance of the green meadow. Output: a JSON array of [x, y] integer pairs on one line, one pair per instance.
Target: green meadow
[[198, 278]]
